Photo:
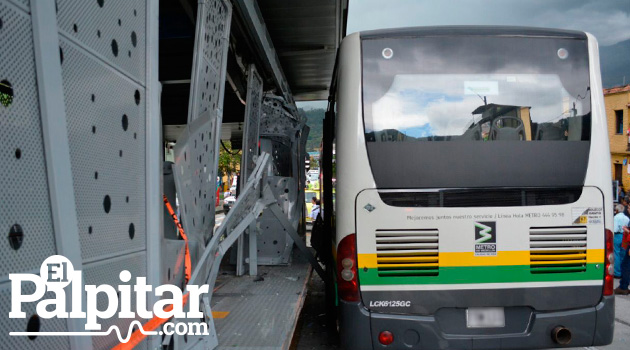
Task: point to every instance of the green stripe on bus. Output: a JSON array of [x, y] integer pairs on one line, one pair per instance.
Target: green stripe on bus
[[481, 274]]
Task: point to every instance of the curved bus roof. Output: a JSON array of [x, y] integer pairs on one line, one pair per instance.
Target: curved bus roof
[[472, 30]]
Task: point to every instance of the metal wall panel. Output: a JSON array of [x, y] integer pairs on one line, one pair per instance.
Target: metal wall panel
[[107, 272], [209, 59], [23, 180], [114, 31], [196, 151], [106, 128], [22, 325], [252, 123]]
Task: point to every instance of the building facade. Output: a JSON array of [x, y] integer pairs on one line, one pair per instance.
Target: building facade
[[617, 101]]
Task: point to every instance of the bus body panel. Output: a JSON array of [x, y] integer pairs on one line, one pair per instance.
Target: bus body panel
[[599, 173], [453, 272], [432, 314]]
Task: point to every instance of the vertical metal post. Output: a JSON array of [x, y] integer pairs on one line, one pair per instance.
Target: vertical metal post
[[57, 148], [153, 162]]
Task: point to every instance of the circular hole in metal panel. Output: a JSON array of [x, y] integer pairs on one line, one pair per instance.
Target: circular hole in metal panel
[[6, 93], [33, 326], [125, 122], [16, 236], [107, 204], [114, 47], [132, 230], [90, 230], [134, 39], [136, 96], [100, 2], [96, 175], [18, 153], [98, 33], [120, 153], [75, 28], [93, 129]]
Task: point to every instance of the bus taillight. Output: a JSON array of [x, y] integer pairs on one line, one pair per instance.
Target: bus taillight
[[347, 281], [609, 264]]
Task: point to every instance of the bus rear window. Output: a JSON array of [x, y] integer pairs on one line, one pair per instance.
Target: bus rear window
[[476, 111]]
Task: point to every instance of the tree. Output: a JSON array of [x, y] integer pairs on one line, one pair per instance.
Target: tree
[[229, 160]]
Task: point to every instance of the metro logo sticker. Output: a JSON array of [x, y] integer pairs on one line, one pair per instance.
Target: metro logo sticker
[[586, 216], [485, 238]]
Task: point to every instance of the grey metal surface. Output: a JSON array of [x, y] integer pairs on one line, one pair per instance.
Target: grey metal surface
[[107, 272], [195, 178], [23, 177], [21, 325], [262, 315], [255, 25], [57, 147], [306, 35], [23, 180], [108, 32], [107, 149], [211, 45], [252, 122]]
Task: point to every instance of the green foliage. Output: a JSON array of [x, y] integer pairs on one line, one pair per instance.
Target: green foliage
[[315, 120], [228, 161]]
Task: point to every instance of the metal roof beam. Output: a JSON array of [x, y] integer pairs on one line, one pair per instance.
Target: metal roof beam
[[254, 23]]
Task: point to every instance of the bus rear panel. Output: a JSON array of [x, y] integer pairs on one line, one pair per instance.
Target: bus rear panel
[[473, 179]]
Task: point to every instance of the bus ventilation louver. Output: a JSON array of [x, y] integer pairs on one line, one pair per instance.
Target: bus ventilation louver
[[407, 252], [557, 249]]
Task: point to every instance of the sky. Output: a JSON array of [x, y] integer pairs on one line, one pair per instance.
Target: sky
[[608, 20]]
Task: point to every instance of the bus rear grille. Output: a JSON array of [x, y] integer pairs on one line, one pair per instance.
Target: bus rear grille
[[407, 252], [557, 249]]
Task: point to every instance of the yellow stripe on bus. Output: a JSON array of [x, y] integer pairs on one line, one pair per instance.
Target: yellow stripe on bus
[[503, 258]]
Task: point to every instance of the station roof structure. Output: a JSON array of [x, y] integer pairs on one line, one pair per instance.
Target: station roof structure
[[292, 43]]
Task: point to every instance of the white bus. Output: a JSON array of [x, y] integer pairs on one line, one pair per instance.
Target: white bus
[[473, 201]]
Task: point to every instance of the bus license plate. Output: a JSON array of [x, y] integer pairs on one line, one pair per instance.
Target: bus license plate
[[485, 317]]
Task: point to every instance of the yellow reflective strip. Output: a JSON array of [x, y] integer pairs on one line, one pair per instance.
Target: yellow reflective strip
[[407, 258], [557, 257], [410, 265], [503, 258], [558, 262]]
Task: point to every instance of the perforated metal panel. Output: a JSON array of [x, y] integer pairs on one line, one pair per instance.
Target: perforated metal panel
[[25, 194], [208, 80], [106, 128], [252, 122], [194, 172], [23, 180], [196, 151], [276, 120], [107, 272], [115, 31], [22, 325]]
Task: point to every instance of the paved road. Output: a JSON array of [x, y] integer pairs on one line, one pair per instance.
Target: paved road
[[312, 328], [622, 325]]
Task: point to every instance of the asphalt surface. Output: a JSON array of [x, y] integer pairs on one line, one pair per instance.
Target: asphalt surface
[[312, 330]]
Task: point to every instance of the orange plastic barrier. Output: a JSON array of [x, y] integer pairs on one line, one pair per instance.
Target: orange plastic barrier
[[187, 263]]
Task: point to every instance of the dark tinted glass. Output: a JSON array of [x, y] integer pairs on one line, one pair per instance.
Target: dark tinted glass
[[503, 102]]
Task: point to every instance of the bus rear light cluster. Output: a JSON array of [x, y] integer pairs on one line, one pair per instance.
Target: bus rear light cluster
[[609, 264], [386, 337], [347, 282]]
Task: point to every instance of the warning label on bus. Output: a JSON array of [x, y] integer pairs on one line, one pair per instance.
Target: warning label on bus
[[586, 216]]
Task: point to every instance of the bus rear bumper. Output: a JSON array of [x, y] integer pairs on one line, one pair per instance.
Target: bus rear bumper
[[360, 329]]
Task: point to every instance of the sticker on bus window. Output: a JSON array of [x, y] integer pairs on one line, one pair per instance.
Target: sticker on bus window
[[586, 216]]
